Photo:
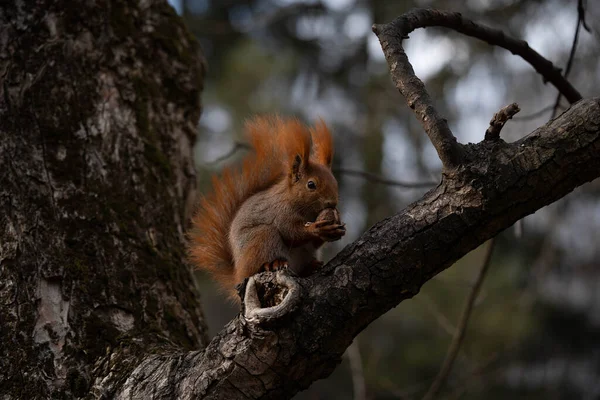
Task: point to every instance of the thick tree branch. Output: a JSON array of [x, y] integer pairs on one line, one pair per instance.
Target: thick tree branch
[[500, 184]]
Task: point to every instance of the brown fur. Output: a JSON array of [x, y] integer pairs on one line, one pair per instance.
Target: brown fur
[[256, 214]]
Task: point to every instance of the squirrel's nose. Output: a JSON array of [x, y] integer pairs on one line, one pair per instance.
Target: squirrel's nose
[[330, 204]]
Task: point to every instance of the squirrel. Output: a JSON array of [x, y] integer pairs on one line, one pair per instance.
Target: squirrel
[[273, 212]]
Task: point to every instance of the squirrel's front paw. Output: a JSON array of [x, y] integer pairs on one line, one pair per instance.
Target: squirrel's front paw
[[274, 265], [329, 231]]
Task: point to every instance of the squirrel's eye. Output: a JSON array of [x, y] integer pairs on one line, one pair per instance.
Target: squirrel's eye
[[311, 185]]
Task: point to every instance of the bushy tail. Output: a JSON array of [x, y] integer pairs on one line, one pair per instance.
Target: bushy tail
[[209, 244]]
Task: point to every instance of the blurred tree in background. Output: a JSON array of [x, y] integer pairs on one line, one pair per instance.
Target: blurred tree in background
[[535, 328]]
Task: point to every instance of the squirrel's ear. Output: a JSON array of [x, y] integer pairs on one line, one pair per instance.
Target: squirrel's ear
[[295, 140], [297, 168], [323, 143]]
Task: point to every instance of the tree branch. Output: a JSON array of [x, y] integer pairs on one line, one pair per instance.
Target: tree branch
[[412, 88], [439, 316], [344, 171], [421, 18], [389, 263], [237, 146], [581, 13], [580, 21]]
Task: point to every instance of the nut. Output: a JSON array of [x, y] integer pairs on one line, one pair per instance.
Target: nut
[[329, 214]]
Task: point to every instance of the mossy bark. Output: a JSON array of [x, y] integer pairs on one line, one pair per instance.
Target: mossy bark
[[98, 111]]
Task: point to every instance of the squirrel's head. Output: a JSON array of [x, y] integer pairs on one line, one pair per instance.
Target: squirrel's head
[[313, 188], [310, 153]]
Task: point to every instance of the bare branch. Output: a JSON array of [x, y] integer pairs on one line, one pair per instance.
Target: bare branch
[[391, 35], [412, 88], [237, 146], [461, 329], [477, 373], [499, 119], [580, 21], [385, 181], [439, 316], [581, 12], [344, 171]]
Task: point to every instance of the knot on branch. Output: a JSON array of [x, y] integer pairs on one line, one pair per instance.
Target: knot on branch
[[270, 296], [498, 121]]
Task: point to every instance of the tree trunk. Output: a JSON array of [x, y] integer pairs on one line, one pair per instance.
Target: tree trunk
[[98, 111], [97, 115]]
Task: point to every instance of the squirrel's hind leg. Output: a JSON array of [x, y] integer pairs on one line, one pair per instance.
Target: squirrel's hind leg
[[263, 251]]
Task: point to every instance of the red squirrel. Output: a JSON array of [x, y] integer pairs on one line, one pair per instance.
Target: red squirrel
[[274, 211]]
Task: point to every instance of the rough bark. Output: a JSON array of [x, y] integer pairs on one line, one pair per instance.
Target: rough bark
[[97, 113], [98, 106]]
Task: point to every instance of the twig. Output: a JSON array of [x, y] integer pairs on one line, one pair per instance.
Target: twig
[[581, 12], [476, 373], [359, 385], [499, 119], [580, 19], [439, 316], [237, 146], [441, 377], [363, 174], [391, 36], [379, 179]]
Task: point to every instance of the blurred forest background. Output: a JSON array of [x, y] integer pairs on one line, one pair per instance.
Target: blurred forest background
[[535, 329]]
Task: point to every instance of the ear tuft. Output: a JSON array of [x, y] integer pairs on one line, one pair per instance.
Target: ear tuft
[[296, 168], [323, 143], [295, 141]]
